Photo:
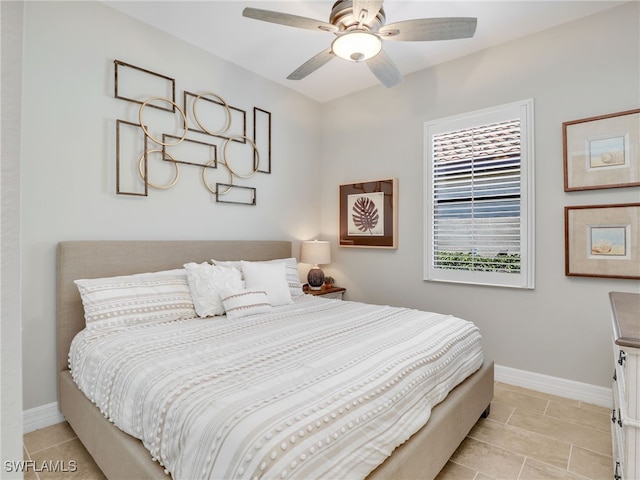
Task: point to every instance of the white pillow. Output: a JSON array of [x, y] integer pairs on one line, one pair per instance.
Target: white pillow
[[114, 302], [206, 282], [242, 303], [291, 267], [268, 277]]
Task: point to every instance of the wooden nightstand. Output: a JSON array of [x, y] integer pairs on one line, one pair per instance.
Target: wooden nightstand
[[327, 292]]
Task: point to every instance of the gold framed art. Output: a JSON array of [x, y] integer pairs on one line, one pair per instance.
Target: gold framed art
[[602, 151], [369, 214], [603, 241]]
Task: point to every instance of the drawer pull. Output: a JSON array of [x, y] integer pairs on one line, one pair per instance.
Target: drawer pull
[[613, 416], [615, 375], [616, 475], [619, 418], [622, 357]]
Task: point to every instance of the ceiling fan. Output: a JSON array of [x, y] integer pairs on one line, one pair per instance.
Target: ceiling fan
[[359, 27]]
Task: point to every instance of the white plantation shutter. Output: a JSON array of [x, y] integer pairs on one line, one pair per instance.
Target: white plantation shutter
[[479, 197]]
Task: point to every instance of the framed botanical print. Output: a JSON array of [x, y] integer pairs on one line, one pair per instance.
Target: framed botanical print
[[369, 214], [603, 241], [602, 152]]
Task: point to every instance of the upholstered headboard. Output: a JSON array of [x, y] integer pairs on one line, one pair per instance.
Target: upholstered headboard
[[95, 259]]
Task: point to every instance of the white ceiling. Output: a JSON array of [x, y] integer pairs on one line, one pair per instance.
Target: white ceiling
[[274, 51]]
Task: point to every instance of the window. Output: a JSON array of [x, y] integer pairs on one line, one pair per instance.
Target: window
[[479, 197]]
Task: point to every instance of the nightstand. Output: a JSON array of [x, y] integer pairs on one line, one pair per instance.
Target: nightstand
[[326, 292]]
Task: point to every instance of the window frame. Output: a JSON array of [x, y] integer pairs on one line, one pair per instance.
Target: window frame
[[523, 110]]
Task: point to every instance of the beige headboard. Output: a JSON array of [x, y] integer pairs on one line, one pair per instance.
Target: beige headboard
[[95, 259]]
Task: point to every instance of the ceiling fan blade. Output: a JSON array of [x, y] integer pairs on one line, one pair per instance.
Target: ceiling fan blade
[[369, 7], [288, 19], [385, 69], [311, 65], [425, 29]]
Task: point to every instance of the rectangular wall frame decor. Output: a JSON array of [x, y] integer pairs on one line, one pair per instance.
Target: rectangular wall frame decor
[[130, 169], [602, 152], [240, 195], [262, 138], [136, 84], [369, 214], [190, 152], [602, 241]]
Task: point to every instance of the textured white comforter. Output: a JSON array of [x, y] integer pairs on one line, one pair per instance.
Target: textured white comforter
[[317, 389]]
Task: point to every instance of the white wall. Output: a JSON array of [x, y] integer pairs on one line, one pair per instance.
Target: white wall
[[68, 157], [586, 68], [11, 14]]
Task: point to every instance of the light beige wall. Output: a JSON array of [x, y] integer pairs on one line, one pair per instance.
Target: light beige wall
[[585, 68], [68, 156]]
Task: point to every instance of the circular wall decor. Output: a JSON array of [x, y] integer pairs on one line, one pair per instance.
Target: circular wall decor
[[146, 132], [159, 187], [256, 156], [204, 178], [222, 102]]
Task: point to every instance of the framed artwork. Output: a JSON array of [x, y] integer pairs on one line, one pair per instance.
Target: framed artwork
[[602, 241], [369, 214], [602, 152]]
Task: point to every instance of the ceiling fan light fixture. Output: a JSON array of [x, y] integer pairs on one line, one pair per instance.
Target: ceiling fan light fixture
[[356, 46]]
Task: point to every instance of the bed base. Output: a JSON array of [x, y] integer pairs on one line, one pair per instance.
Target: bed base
[[121, 456]]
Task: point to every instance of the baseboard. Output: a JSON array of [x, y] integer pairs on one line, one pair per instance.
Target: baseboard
[[40, 417], [585, 392]]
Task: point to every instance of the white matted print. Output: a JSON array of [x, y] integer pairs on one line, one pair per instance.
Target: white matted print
[[610, 241], [366, 214]]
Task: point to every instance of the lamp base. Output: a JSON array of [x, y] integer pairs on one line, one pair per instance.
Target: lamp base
[[315, 278]]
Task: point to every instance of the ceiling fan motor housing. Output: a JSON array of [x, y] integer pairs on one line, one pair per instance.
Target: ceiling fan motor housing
[[342, 17]]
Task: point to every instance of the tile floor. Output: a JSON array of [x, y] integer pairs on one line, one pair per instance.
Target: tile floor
[[528, 436]]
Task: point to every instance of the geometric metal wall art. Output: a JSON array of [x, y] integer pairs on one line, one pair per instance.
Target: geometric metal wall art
[[204, 132]]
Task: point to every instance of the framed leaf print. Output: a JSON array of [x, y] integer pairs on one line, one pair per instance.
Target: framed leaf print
[[369, 214]]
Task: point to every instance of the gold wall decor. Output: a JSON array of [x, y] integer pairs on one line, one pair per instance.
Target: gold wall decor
[[190, 135]]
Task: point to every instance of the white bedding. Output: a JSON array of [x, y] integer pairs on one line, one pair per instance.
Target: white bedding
[[315, 389]]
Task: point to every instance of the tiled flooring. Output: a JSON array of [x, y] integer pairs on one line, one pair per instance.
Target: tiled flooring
[[528, 436], [535, 436]]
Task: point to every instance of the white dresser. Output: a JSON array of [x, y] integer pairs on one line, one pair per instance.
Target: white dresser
[[625, 417]]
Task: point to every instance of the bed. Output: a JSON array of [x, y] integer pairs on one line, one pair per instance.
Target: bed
[[121, 456]]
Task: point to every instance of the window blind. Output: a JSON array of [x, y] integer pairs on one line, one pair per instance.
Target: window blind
[[476, 180]]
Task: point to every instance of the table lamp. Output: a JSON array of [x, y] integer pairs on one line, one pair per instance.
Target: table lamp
[[316, 253]]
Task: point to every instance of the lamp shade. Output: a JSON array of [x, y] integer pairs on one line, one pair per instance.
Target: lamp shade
[[356, 46], [315, 252]]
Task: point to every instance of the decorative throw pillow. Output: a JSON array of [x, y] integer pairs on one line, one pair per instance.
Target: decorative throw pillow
[[206, 282], [242, 303], [114, 302], [268, 277], [291, 268]]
